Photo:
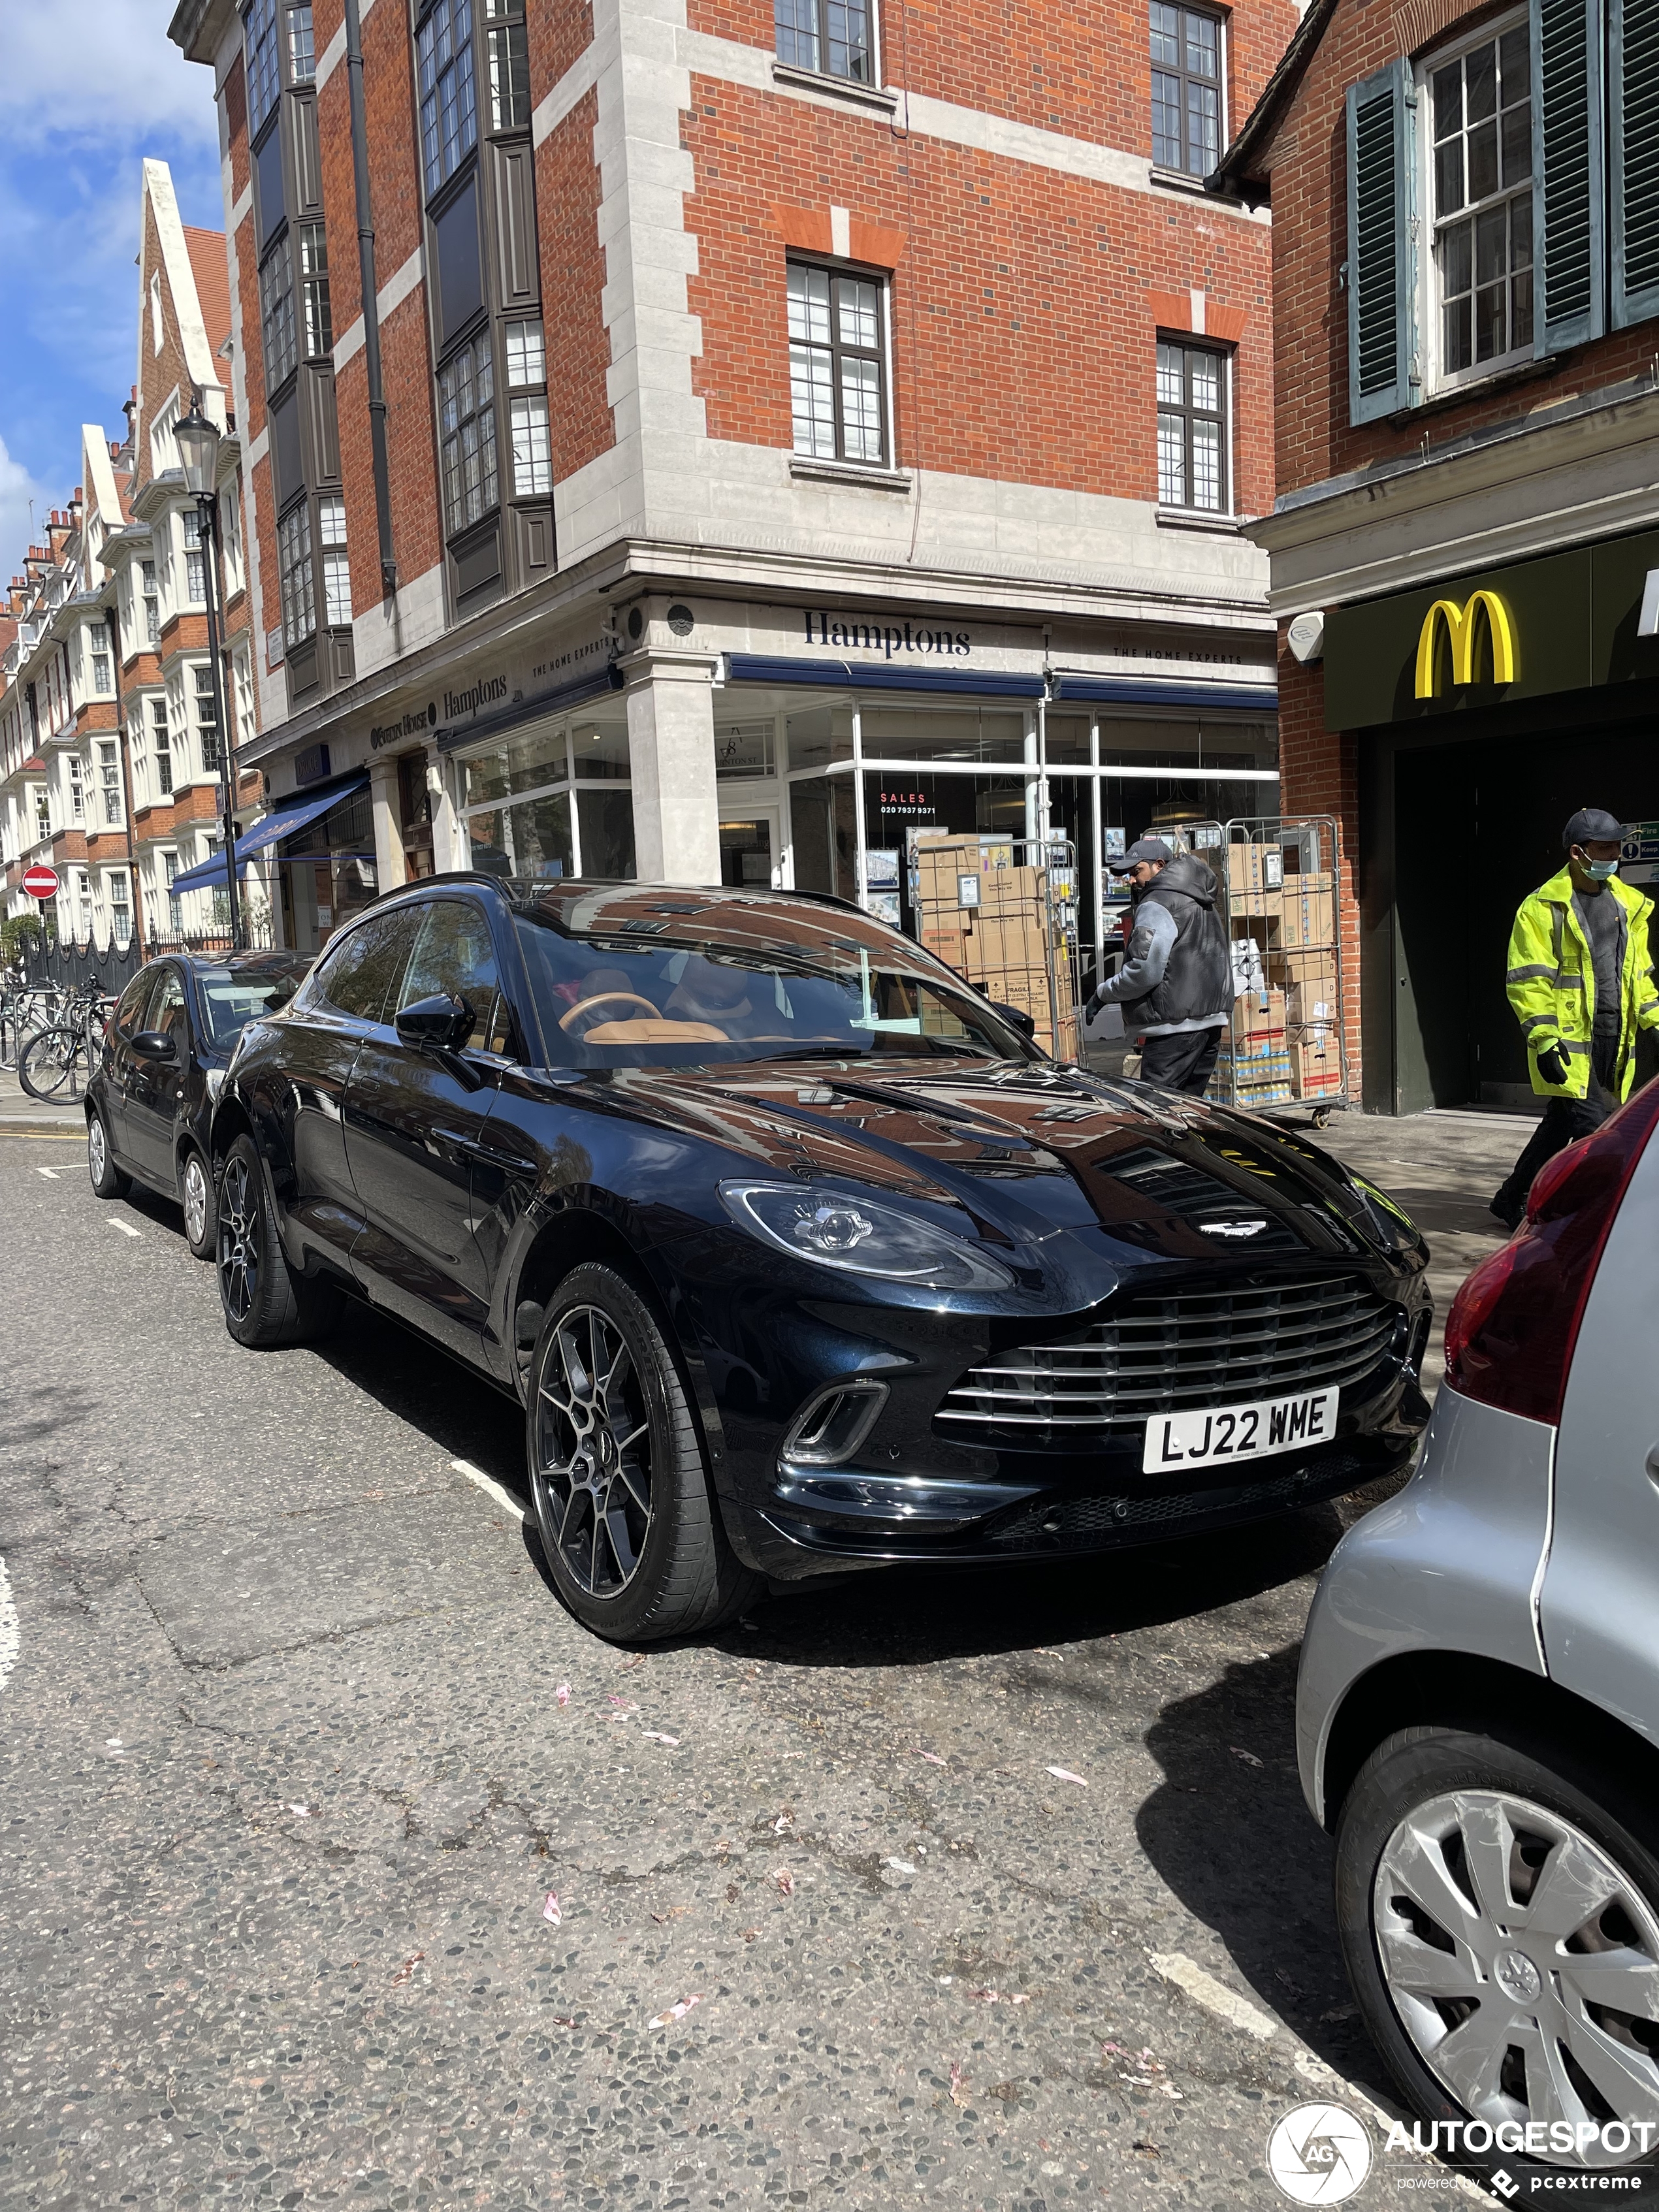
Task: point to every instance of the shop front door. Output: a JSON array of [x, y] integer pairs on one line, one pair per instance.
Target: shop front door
[[751, 850]]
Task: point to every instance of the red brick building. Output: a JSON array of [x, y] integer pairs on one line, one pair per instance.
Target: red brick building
[[774, 425], [1465, 542], [111, 749]]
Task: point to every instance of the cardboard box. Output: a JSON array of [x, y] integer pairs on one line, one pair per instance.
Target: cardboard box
[[1311, 997], [1258, 1011]]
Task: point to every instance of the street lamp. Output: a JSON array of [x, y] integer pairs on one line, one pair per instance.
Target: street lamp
[[198, 450]]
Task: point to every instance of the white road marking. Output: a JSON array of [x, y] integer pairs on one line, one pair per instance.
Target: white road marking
[[1215, 1997], [490, 1487], [51, 1174], [10, 1634], [125, 1227], [1237, 2012]]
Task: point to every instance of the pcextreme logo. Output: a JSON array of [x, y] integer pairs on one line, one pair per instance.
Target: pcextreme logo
[[1461, 626]]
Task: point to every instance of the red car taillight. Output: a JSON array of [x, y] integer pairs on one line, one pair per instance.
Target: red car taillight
[[1511, 1332]]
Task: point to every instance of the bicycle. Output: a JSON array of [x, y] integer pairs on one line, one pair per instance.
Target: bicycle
[[55, 1065], [25, 1008]]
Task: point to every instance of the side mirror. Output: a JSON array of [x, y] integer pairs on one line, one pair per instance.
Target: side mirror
[[154, 1044], [439, 1023], [1024, 1023]]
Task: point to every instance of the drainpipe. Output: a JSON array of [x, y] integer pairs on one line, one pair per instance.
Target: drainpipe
[[377, 409]]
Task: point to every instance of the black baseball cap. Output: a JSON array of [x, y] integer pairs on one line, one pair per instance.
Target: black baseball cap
[[1592, 825], [1144, 848]]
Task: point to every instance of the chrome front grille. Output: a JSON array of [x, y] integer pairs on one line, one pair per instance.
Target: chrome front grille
[[1166, 1355]]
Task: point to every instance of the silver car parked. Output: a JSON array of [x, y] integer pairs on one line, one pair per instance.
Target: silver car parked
[[1478, 1709]]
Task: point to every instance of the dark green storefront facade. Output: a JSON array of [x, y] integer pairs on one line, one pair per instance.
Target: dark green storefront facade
[[1462, 793]]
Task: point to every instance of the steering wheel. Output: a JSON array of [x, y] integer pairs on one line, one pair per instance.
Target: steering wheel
[[609, 998]]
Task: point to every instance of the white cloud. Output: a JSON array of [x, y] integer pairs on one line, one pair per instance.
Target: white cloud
[[99, 71], [17, 488]]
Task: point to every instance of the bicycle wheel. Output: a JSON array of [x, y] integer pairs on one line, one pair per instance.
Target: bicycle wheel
[[55, 1066]]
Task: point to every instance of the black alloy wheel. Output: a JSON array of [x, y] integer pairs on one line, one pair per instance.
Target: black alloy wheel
[[265, 1302], [631, 1535], [107, 1179]]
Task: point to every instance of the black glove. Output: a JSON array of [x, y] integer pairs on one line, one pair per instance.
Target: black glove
[[1553, 1064]]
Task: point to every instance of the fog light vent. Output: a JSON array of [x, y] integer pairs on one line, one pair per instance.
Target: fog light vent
[[830, 1427]]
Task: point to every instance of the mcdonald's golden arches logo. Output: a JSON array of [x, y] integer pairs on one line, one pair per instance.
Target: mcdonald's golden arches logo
[[1462, 624]]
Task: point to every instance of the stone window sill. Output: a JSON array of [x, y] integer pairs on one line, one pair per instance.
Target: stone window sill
[[847, 472], [1180, 180], [1191, 518], [837, 87]]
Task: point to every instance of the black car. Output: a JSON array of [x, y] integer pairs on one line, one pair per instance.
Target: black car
[[798, 1254], [150, 1100]]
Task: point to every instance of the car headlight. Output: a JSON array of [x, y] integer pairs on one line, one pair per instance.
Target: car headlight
[[859, 1236], [1392, 1222]]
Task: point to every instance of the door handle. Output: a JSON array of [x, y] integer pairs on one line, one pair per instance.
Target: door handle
[[461, 1141], [1651, 1462]]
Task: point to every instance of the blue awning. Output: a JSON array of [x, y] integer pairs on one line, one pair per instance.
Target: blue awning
[[282, 822], [1161, 691], [879, 676]]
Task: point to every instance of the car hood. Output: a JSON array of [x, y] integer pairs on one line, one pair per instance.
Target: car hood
[[1034, 1150]]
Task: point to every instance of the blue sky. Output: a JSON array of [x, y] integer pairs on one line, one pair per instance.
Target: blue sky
[[87, 88]]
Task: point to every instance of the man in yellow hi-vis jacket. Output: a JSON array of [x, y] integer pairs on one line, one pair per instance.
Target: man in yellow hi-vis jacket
[[1581, 982]]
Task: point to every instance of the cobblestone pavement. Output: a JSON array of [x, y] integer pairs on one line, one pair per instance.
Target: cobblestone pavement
[[288, 1773]]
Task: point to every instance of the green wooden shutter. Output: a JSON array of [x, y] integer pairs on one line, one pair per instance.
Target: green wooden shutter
[[1633, 157], [1382, 368], [1569, 173]]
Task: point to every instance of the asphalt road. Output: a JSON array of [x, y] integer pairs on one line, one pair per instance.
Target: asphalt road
[[287, 1773]]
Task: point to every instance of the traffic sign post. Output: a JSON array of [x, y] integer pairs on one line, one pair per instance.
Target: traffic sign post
[[41, 883]]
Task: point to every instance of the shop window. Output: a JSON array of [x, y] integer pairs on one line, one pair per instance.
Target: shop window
[[295, 570], [466, 428], [276, 313], [837, 363], [834, 36], [1187, 131], [316, 317], [1191, 428], [448, 90]]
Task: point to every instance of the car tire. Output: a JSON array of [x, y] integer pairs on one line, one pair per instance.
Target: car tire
[[1422, 1819], [107, 1179], [200, 1200], [630, 1529], [265, 1302]]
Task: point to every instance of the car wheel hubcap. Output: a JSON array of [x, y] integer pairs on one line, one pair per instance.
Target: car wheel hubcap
[[592, 1463], [95, 1148], [1524, 1966], [195, 1201], [238, 1240]]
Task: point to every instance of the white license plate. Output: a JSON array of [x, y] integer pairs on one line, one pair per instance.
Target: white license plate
[[1230, 1432]]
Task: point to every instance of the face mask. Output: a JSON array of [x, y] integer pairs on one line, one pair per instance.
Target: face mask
[[1599, 871]]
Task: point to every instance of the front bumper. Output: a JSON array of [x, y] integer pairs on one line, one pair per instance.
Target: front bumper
[[1035, 1506]]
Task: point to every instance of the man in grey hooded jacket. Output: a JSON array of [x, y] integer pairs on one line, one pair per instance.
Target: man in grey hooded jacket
[[1176, 986]]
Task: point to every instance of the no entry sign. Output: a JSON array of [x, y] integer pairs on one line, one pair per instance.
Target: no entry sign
[[41, 883]]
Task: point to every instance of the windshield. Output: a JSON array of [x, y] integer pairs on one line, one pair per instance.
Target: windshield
[[230, 999], [731, 980]]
